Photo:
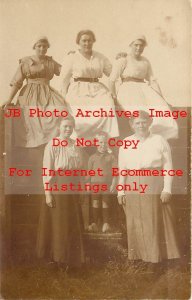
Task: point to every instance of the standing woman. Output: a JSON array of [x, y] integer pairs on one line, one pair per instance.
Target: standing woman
[[139, 90], [37, 70], [82, 89], [149, 215], [60, 226]]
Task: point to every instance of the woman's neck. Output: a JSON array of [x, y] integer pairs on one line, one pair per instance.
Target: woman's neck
[[86, 54], [40, 57], [65, 138], [142, 137], [136, 57]]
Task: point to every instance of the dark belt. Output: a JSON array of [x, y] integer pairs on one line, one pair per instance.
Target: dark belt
[[132, 79], [84, 79]]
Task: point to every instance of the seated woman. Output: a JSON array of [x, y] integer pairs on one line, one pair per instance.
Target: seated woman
[[60, 225], [139, 90], [37, 70], [149, 216], [82, 89]]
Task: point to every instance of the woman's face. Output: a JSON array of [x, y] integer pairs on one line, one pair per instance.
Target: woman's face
[[66, 129], [141, 126], [86, 43], [137, 48], [41, 48]]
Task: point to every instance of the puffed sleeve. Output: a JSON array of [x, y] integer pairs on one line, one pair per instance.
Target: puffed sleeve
[[118, 68], [18, 77], [57, 68], [167, 165], [66, 73], [107, 67]]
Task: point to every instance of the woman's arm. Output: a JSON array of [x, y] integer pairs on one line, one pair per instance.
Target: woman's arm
[[114, 178], [48, 164], [155, 86], [117, 70], [112, 89], [13, 92], [107, 67], [152, 80], [167, 165], [121, 163], [66, 74], [15, 84]]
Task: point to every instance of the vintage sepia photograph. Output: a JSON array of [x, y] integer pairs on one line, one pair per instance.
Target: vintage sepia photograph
[[95, 189]]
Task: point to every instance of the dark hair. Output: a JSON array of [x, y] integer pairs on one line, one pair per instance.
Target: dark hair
[[142, 114], [82, 32]]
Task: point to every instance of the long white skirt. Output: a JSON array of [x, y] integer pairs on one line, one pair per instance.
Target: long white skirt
[[140, 96], [91, 97]]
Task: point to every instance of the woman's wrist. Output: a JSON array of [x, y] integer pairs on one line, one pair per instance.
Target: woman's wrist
[[114, 96]]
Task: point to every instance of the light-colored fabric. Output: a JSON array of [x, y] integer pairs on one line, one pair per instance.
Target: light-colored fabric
[[152, 153], [86, 95], [37, 93], [130, 67], [140, 95]]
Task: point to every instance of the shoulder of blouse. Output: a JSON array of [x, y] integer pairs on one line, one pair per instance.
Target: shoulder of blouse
[[50, 58], [70, 56], [54, 61], [50, 144], [122, 61], [30, 59], [157, 138], [143, 58], [27, 59]]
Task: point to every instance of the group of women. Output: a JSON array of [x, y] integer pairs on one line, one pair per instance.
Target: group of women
[[150, 225]]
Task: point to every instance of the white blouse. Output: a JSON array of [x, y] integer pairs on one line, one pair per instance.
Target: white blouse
[[76, 65], [129, 67], [153, 152]]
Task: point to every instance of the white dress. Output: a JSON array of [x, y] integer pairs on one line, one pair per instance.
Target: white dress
[[89, 96], [138, 95]]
